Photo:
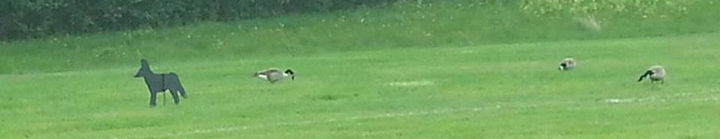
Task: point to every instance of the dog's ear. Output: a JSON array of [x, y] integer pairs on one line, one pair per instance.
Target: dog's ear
[[144, 63]]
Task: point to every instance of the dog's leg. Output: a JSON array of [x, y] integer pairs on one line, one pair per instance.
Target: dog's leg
[[153, 97], [164, 97], [175, 96]]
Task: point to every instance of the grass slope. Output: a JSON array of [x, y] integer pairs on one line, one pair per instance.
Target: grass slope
[[492, 91], [403, 25], [452, 69]]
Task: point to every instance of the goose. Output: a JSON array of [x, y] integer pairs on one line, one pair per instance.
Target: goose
[[654, 73], [273, 74], [567, 64]]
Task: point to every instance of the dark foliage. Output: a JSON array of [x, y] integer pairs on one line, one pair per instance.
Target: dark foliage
[[20, 19]]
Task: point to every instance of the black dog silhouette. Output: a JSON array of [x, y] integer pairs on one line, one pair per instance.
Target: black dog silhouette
[[160, 82]]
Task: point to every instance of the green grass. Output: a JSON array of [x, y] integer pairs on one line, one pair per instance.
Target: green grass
[[404, 25], [517, 87], [472, 76]]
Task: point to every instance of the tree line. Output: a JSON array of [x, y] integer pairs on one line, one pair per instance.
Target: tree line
[[22, 19]]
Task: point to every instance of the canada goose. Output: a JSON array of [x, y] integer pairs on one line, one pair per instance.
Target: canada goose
[[567, 64], [273, 74], [655, 73]]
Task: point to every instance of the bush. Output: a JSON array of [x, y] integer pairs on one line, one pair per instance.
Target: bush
[[32, 19], [641, 8]]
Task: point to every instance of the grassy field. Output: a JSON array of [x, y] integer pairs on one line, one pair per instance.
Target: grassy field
[[494, 91], [413, 78]]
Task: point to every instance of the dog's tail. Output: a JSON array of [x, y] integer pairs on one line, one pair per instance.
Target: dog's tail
[[178, 85], [182, 91]]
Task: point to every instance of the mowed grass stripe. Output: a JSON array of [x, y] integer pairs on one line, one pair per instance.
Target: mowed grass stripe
[[578, 106], [107, 103]]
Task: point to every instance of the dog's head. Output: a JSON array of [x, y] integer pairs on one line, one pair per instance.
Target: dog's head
[[144, 69]]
